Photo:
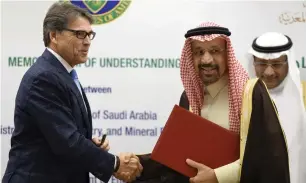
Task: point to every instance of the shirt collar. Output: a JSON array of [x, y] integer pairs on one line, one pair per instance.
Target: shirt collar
[[59, 58], [214, 89]]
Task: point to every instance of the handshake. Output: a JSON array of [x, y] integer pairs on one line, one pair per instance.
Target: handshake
[[129, 165]]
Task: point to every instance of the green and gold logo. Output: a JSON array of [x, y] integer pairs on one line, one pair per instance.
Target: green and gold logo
[[103, 11]]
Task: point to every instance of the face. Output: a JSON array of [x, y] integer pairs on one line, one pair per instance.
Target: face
[[73, 43], [210, 59], [272, 72]]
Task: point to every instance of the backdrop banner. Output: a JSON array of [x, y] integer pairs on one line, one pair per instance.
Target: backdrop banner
[[132, 76]]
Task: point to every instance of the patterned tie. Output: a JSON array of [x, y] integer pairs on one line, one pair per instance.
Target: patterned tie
[[75, 78]]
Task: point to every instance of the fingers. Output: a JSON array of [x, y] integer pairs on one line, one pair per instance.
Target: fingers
[[135, 156], [194, 164], [104, 146], [196, 179], [96, 140], [130, 165], [137, 166], [125, 176], [193, 180], [137, 161], [125, 157]]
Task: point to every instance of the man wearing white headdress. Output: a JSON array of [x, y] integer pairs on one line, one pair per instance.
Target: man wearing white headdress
[[273, 62]]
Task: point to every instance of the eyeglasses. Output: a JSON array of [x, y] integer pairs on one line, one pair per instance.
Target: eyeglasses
[[213, 51], [274, 65], [82, 34]]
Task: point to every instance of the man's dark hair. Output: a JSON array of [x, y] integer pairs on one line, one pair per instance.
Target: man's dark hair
[[58, 17]]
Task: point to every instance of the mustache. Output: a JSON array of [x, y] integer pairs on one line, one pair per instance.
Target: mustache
[[269, 77], [210, 66]]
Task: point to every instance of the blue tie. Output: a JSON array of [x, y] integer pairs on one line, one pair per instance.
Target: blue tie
[[75, 78]]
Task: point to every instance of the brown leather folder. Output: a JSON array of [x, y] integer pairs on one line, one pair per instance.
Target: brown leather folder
[[187, 135]]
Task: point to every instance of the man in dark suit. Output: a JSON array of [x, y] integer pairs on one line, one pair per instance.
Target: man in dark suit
[[52, 141]]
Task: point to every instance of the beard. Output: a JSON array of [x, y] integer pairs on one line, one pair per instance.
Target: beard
[[209, 73]]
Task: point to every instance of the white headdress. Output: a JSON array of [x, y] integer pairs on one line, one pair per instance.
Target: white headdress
[[288, 97]]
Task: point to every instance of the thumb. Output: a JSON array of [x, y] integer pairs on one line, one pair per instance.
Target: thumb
[[194, 164]]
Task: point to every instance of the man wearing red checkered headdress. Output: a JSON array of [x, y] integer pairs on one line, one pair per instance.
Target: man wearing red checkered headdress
[[218, 89], [210, 69], [214, 82]]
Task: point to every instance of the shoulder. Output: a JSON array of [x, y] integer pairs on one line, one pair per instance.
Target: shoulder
[[42, 70], [255, 84], [257, 92], [41, 76], [255, 89]]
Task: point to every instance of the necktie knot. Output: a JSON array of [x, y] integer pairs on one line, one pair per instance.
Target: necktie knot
[[73, 74]]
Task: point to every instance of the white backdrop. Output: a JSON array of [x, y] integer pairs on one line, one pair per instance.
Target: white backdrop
[[148, 29]]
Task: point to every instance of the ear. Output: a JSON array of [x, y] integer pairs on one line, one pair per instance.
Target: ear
[[53, 37]]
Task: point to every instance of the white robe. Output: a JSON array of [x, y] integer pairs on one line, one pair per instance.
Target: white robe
[[291, 117], [288, 98]]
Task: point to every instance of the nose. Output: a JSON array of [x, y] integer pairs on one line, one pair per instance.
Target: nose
[[207, 58], [86, 40], [269, 71]]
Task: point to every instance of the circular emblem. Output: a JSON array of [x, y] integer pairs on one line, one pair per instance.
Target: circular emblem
[[103, 11]]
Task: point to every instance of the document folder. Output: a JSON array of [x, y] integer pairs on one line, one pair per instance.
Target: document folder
[[187, 135]]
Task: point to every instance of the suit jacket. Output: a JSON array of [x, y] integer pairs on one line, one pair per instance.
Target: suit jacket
[[52, 137]]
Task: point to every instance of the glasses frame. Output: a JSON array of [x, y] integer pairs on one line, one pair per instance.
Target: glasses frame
[[266, 64], [77, 33]]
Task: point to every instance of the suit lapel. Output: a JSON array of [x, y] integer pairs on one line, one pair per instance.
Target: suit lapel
[[88, 112], [61, 69], [77, 93]]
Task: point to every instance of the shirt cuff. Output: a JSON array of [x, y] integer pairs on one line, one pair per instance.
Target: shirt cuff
[[115, 162], [228, 173]]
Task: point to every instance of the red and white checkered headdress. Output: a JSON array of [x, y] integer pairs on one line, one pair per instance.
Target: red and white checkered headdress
[[194, 87]]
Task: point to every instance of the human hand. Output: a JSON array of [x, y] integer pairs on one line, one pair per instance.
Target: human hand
[[204, 175], [104, 145], [129, 168]]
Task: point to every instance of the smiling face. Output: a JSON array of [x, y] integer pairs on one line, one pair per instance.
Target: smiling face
[[273, 71], [73, 42], [210, 59]]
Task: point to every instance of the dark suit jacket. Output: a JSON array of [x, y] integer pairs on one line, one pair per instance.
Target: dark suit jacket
[[51, 142]]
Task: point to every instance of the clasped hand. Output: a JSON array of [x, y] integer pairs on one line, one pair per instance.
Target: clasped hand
[[129, 168]]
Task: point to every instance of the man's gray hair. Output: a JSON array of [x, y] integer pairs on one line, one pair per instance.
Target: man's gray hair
[[58, 17]]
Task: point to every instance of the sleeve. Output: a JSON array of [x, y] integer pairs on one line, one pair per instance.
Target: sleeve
[[228, 173], [154, 172], [49, 106]]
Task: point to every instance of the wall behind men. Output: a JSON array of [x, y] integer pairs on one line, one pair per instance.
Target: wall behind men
[[133, 65]]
